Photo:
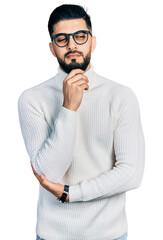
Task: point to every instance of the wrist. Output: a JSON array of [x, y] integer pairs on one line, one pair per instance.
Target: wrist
[[64, 198], [69, 107], [67, 198]]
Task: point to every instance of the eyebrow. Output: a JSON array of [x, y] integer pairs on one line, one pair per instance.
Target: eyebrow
[[71, 33]]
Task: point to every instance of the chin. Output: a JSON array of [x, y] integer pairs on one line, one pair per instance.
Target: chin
[[70, 64], [74, 60]]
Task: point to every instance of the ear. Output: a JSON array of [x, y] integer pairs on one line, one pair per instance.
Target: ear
[[52, 49], [93, 43]]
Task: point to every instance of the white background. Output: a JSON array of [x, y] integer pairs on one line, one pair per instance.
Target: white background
[[129, 51]]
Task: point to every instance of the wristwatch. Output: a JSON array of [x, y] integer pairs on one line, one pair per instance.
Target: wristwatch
[[64, 195]]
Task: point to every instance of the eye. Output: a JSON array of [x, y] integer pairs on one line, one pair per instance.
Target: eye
[[61, 40], [80, 36]]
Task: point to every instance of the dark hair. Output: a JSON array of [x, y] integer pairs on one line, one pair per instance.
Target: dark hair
[[65, 12]]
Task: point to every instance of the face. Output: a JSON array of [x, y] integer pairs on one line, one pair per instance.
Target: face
[[81, 53]]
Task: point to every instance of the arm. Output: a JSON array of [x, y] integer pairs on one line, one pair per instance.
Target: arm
[[50, 150], [129, 147]]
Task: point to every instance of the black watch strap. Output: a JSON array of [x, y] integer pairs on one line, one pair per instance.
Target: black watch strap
[[65, 193]]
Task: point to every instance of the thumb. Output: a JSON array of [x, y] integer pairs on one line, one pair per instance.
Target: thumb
[[42, 176]]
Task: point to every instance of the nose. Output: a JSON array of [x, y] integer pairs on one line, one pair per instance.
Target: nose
[[72, 44]]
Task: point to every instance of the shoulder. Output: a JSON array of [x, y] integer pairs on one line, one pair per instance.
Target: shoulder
[[122, 98], [123, 95], [36, 93], [117, 93]]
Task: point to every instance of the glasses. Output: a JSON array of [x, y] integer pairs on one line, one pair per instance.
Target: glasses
[[62, 39]]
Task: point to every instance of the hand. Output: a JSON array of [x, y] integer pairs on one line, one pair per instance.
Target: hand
[[55, 188], [73, 87]]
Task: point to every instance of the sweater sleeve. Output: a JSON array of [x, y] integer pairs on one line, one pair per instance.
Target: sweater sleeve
[[129, 148], [50, 150]]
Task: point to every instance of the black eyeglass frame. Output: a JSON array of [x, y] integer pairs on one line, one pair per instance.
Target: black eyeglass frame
[[71, 34]]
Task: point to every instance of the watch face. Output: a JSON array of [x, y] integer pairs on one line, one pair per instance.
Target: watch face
[[66, 188]]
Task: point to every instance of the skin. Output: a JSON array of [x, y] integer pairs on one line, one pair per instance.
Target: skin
[[71, 26], [55, 188], [67, 26]]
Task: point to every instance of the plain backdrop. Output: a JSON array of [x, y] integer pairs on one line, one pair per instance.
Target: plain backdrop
[[129, 51]]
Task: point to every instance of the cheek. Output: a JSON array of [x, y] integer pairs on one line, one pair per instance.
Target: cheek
[[88, 46], [88, 51], [85, 49], [60, 53]]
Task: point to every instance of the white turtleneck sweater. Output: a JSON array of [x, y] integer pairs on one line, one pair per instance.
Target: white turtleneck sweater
[[98, 150]]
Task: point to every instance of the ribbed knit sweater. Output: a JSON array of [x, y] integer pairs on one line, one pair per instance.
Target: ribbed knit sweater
[[98, 150]]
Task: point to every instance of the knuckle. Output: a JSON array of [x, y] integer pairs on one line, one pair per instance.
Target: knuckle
[[85, 78], [65, 80], [80, 75], [43, 181], [68, 83]]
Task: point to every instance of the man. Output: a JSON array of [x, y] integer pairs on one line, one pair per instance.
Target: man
[[84, 137]]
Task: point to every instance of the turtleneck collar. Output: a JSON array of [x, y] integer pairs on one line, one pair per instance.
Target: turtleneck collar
[[89, 73]]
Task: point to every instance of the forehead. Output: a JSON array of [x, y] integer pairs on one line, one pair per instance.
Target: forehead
[[69, 26]]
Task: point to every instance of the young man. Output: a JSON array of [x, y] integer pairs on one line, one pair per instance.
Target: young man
[[84, 137]]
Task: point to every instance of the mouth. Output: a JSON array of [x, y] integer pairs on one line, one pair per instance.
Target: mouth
[[73, 55]]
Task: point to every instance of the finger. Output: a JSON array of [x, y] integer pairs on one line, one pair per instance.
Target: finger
[[32, 167], [35, 173], [50, 186], [43, 181], [37, 176], [85, 86], [78, 83], [77, 78], [74, 72]]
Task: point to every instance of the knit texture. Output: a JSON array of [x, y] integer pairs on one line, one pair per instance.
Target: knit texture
[[98, 150]]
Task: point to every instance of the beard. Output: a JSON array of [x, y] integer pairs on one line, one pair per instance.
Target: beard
[[74, 64]]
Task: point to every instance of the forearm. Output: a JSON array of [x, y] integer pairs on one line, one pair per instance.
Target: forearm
[[55, 156], [129, 147], [106, 185], [121, 178], [50, 150]]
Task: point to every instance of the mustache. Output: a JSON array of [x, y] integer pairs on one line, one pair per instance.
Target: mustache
[[72, 52]]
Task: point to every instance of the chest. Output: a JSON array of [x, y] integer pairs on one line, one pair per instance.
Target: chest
[[95, 115]]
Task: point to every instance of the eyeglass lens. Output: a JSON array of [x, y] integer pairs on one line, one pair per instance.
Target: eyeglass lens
[[80, 38]]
